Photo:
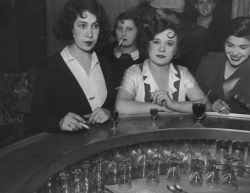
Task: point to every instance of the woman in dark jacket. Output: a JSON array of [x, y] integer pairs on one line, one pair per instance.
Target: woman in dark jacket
[[123, 52], [75, 84]]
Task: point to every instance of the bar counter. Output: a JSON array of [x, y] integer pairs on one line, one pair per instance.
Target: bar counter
[[24, 166]]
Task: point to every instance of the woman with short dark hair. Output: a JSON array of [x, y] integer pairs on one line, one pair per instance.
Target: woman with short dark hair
[[157, 82], [74, 87], [228, 71], [124, 52]]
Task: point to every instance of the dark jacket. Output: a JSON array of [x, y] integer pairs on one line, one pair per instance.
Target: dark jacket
[[119, 65], [57, 93], [210, 75]]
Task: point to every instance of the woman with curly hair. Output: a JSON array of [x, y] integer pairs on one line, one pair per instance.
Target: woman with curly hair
[[75, 84], [157, 82], [123, 52]]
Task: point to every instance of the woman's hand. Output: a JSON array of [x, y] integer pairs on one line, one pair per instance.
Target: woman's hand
[[221, 107], [162, 98], [99, 115], [71, 122]]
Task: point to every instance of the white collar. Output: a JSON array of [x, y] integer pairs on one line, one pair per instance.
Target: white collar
[[134, 55], [150, 80], [68, 57]]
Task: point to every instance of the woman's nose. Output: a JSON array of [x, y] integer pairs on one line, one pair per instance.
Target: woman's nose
[[124, 32], [162, 48], [235, 51], [89, 32]]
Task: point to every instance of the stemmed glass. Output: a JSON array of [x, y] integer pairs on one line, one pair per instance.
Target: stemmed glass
[[86, 176], [78, 185], [153, 113], [205, 156], [175, 153], [212, 177], [114, 117], [65, 181], [247, 163], [153, 179], [125, 182], [199, 107], [98, 174], [229, 181], [195, 178], [221, 151], [174, 172]]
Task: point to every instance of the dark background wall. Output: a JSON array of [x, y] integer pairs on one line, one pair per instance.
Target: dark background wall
[[22, 34], [26, 34]]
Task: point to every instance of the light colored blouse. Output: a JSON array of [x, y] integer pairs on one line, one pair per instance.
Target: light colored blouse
[[93, 85], [133, 81]]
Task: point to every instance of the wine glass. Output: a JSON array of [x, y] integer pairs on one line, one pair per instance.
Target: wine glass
[[153, 113], [174, 172], [87, 174], [65, 182], [205, 155], [195, 178], [212, 177], [114, 117], [229, 182], [199, 107], [238, 149], [247, 162], [153, 179], [222, 148], [125, 182], [98, 174]]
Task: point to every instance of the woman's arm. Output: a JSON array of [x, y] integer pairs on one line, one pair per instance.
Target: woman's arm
[[125, 104], [162, 98]]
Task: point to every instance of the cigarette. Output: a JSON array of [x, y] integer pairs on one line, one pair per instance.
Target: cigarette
[[84, 125], [120, 42], [222, 109]]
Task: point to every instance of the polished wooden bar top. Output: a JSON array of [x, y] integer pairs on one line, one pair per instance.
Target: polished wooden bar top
[[25, 165]]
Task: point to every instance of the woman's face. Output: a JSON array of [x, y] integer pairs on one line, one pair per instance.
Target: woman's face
[[85, 31], [127, 31], [237, 50], [163, 47], [205, 7]]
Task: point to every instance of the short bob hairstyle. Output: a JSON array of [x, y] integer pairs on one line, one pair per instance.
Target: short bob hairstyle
[[158, 26], [73, 9], [129, 15], [238, 27]]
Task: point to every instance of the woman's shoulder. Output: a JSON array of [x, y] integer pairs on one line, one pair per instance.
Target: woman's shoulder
[[213, 59]]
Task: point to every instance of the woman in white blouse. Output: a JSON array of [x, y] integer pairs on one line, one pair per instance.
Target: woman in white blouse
[[157, 82]]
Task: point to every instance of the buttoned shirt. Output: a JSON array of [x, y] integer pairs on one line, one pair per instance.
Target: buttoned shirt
[[93, 85]]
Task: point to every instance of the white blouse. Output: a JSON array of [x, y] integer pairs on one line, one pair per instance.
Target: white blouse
[[93, 85], [133, 81]]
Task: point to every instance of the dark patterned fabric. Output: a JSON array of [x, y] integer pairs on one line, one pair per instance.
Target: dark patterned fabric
[[14, 88]]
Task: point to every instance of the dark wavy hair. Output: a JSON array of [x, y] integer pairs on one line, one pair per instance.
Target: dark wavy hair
[[129, 15], [238, 27], [75, 8], [157, 26]]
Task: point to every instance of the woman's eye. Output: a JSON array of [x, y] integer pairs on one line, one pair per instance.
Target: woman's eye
[[156, 42], [129, 29], [229, 45], [170, 43], [119, 28], [96, 26], [243, 47], [82, 25]]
